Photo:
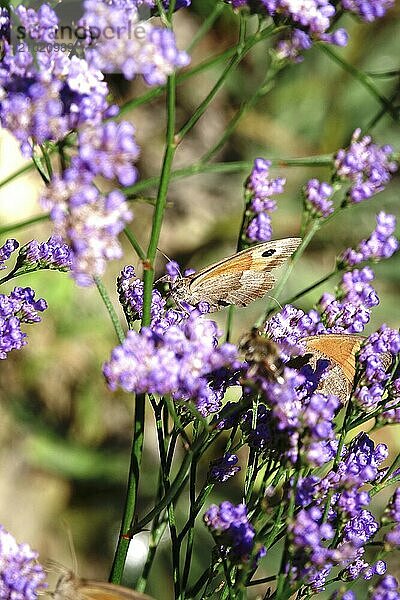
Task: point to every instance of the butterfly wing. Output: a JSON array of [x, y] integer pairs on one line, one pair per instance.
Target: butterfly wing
[[99, 590], [341, 349], [243, 277]]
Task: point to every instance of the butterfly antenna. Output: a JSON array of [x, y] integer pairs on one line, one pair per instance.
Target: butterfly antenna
[[71, 547], [275, 300]]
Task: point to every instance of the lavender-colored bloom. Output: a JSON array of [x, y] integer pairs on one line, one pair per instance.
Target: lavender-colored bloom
[[380, 245], [231, 529], [38, 25], [89, 221], [317, 196], [173, 270], [367, 166], [110, 150], [387, 588], [6, 250], [360, 529], [223, 468], [53, 254], [259, 189], [291, 48], [180, 362], [4, 24], [21, 576], [153, 54], [44, 98], [130, 290], [374, 359], [343, 595], [368, 10], [20, 306]]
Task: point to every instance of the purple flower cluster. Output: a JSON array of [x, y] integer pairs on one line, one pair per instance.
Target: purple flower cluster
[[223, 468], [367, 166], [368, 10], [18, 307], [181, 361], [44, 97], [21, 576], [109, 150], [4, 24], [345, 488], [152, 54], [53, 254], [153, 4], [6, 251], [380, 245], [375, 358], [232, 530], [392, 515], [87, 219], [130, 290], [386, 589], [317, 196], [309, 22], [259, 189]]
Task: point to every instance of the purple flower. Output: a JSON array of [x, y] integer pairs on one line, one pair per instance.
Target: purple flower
[[4, 24], [109, 150], [41, 25], [18, 307], [317, 196], [387, 588], [152, 54], [53, 254], [343, 595], [89, 221], [231, 529], [259, 189], [181, 362], [130, 290], [6, 250], [46, 96], [223, 468], [380, 245], [368, 10], [21, 576], [367, 166]]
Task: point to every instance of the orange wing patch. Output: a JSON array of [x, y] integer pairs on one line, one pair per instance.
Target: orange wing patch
[[342, 349]]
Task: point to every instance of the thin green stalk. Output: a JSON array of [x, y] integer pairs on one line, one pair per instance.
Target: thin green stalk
[[312, 287], [228, 167], [362, 77], [241, 53], [134, 243], [25, 169], [110, 309], [158, 216], [262, 89], [206, 25], [129, 513]]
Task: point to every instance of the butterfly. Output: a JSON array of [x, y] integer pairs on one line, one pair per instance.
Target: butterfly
[[340, 350], [238, 279], [72, 587]]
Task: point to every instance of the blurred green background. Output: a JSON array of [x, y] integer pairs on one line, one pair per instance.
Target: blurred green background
[[64, 437]]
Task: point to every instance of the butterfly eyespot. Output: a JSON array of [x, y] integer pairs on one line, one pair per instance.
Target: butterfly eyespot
[[223, 303], [269, 252]]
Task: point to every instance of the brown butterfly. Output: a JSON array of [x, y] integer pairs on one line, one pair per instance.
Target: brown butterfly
[[340, 350], [237, 279], [72, 587]]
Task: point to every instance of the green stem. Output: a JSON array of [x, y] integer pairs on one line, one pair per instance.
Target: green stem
[[17, 173], [158, 216], [206, 25], [132, 491], [312, 287], [242, 50], [228, 167], [134, 243], [363, 78], [110, 309]]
